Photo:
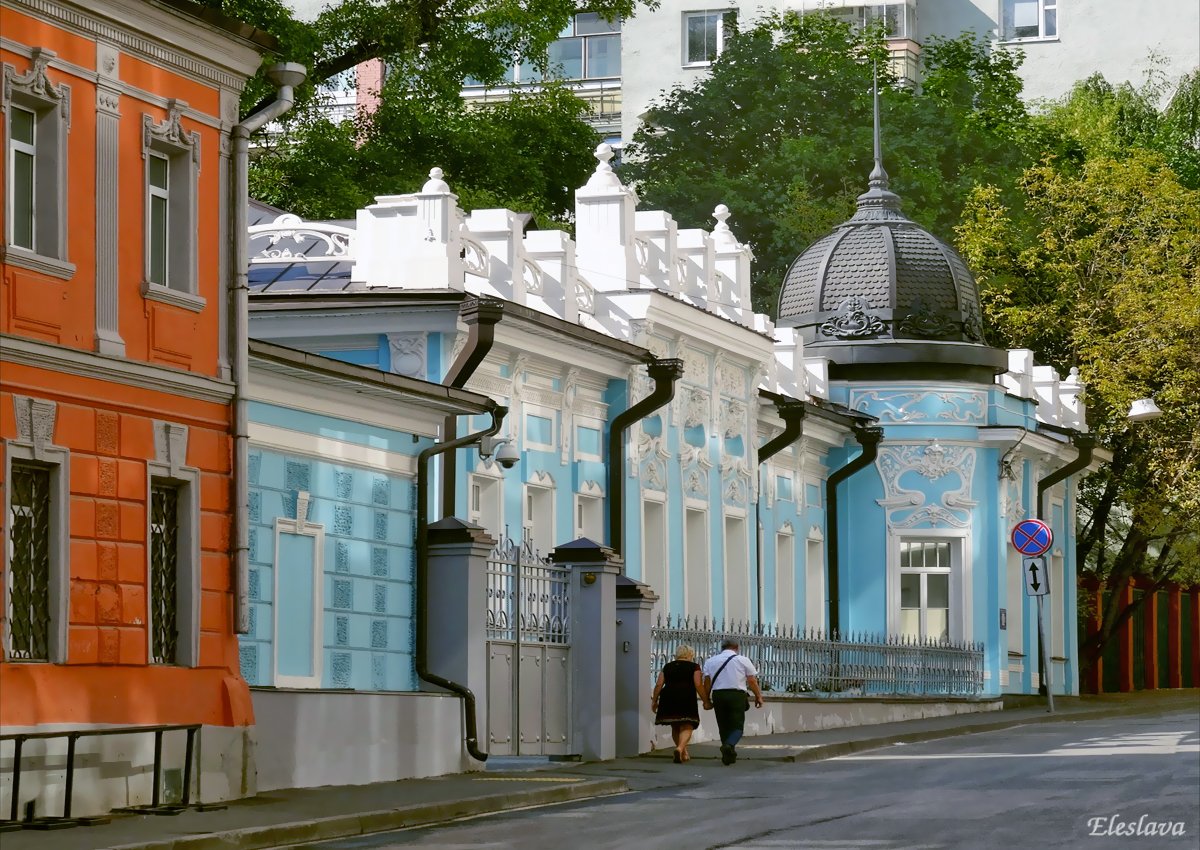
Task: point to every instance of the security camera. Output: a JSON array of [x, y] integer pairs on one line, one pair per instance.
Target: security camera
[[501, 450], [507, 455]]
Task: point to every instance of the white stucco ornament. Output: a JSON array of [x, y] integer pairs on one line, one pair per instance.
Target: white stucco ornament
[[603, 177], [721, 234], [435, 185]]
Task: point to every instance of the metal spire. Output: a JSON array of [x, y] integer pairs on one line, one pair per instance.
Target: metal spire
[[877, 203], [878, 177]]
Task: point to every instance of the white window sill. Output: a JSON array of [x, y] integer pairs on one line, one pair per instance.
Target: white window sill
[[1029, 39], [157, 292], [706, 64], [26, 259]]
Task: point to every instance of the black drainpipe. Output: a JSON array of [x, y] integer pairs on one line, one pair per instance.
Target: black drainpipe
[[481, 316], [791, 411], [664, 373], [1085, 443], [498, 413], [868, 438]]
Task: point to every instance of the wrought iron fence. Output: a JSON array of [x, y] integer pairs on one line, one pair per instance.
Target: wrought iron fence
[[795, 661], [524, 587]]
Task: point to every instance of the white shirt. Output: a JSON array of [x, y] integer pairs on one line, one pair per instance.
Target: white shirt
[[735, 672]]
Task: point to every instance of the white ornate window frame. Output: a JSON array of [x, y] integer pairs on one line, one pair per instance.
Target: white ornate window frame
[[589, 496], [51, 106], [540, 530], [168, 466], [815, 540], [35, 419], [961, 618], [785, 535], [301, 527], [704, 509], [486, 476], [736, 514], [182, 150]]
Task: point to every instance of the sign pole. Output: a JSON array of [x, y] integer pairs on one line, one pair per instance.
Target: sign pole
[[1046, 678]]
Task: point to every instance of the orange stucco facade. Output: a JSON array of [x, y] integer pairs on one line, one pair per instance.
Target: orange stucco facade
[[107, 404]]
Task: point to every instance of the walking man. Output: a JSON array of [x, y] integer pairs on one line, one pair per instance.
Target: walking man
[[729, 679]]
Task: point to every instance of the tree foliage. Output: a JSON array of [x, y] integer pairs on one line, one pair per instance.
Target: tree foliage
[[526, 153], [436, 42], [781, 132], [1101, 270]]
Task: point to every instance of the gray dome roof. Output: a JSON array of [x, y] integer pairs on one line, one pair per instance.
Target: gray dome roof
[[881, 290]]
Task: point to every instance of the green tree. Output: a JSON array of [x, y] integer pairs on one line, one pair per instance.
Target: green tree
[[527, 153], [1100, 269], [781, 132]]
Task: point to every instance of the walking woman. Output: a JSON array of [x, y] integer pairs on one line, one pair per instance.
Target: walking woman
[[679, 685]]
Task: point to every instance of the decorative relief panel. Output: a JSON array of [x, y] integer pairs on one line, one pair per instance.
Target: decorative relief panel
[[408, 352], [649, 455], [693, 407], [731, 379], [735, 481], [570, 389], [908, 506], [733, 418], [695, 483], [958, 407], [695, 366]]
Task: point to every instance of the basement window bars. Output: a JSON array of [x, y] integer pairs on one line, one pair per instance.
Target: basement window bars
[[164, 563], [29, 564]]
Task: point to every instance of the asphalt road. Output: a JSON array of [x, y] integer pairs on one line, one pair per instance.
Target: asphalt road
[[1090, 784]]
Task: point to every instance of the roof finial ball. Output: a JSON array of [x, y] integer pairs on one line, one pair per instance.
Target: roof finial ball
[[435, 185], [604, 176]]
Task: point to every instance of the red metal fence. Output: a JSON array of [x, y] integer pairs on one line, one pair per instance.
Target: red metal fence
[[1158, 647]]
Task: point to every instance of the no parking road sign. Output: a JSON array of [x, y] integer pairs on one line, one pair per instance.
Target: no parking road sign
[[1032, 537]]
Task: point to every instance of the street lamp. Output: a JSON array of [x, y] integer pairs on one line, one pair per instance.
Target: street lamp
[[1143, 410]]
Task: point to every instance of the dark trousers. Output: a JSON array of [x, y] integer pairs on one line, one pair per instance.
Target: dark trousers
[[730, 708]]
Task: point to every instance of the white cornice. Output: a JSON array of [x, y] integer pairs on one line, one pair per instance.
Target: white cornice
[[154, 33], [322, 399], [86, 364], [122, 88], [325, 448]]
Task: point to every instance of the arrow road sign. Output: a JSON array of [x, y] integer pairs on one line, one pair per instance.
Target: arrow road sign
[[1032, 537], [1037, 580]]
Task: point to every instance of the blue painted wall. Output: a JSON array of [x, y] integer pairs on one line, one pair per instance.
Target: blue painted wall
[[366, 589]]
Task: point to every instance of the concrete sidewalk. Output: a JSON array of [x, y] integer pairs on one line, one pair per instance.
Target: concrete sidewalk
[[283, 818]]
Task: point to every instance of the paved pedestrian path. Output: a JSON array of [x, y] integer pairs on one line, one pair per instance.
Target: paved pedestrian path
[[283, 818]]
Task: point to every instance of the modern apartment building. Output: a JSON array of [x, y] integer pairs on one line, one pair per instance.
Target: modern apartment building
[[1063, 40]]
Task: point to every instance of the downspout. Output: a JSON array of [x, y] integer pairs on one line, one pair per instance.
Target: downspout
[[481, 316], [421, 554], [1085, 443], [664, 373], [286, 76], [791, 411], [868, 438]]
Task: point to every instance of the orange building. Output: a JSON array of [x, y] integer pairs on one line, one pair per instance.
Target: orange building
[[116, 397]]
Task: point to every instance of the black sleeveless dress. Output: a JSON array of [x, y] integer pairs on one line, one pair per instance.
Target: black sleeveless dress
[[677, 700]]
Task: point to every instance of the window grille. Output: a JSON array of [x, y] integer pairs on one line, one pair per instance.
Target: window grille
[[164, 562], [29, 565]]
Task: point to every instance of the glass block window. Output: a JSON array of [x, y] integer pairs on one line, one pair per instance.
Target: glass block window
[[29, 564], [164, 571]]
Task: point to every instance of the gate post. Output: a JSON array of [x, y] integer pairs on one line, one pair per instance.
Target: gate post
[[594, 571], [635, 723], [456, 626]]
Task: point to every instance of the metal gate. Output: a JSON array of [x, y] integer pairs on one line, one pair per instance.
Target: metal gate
[[529, 644]]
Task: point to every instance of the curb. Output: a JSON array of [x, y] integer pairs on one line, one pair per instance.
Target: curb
[[365, 823], [843, 748]]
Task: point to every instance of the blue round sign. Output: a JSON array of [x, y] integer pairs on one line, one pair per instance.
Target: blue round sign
[[1032, 537]]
